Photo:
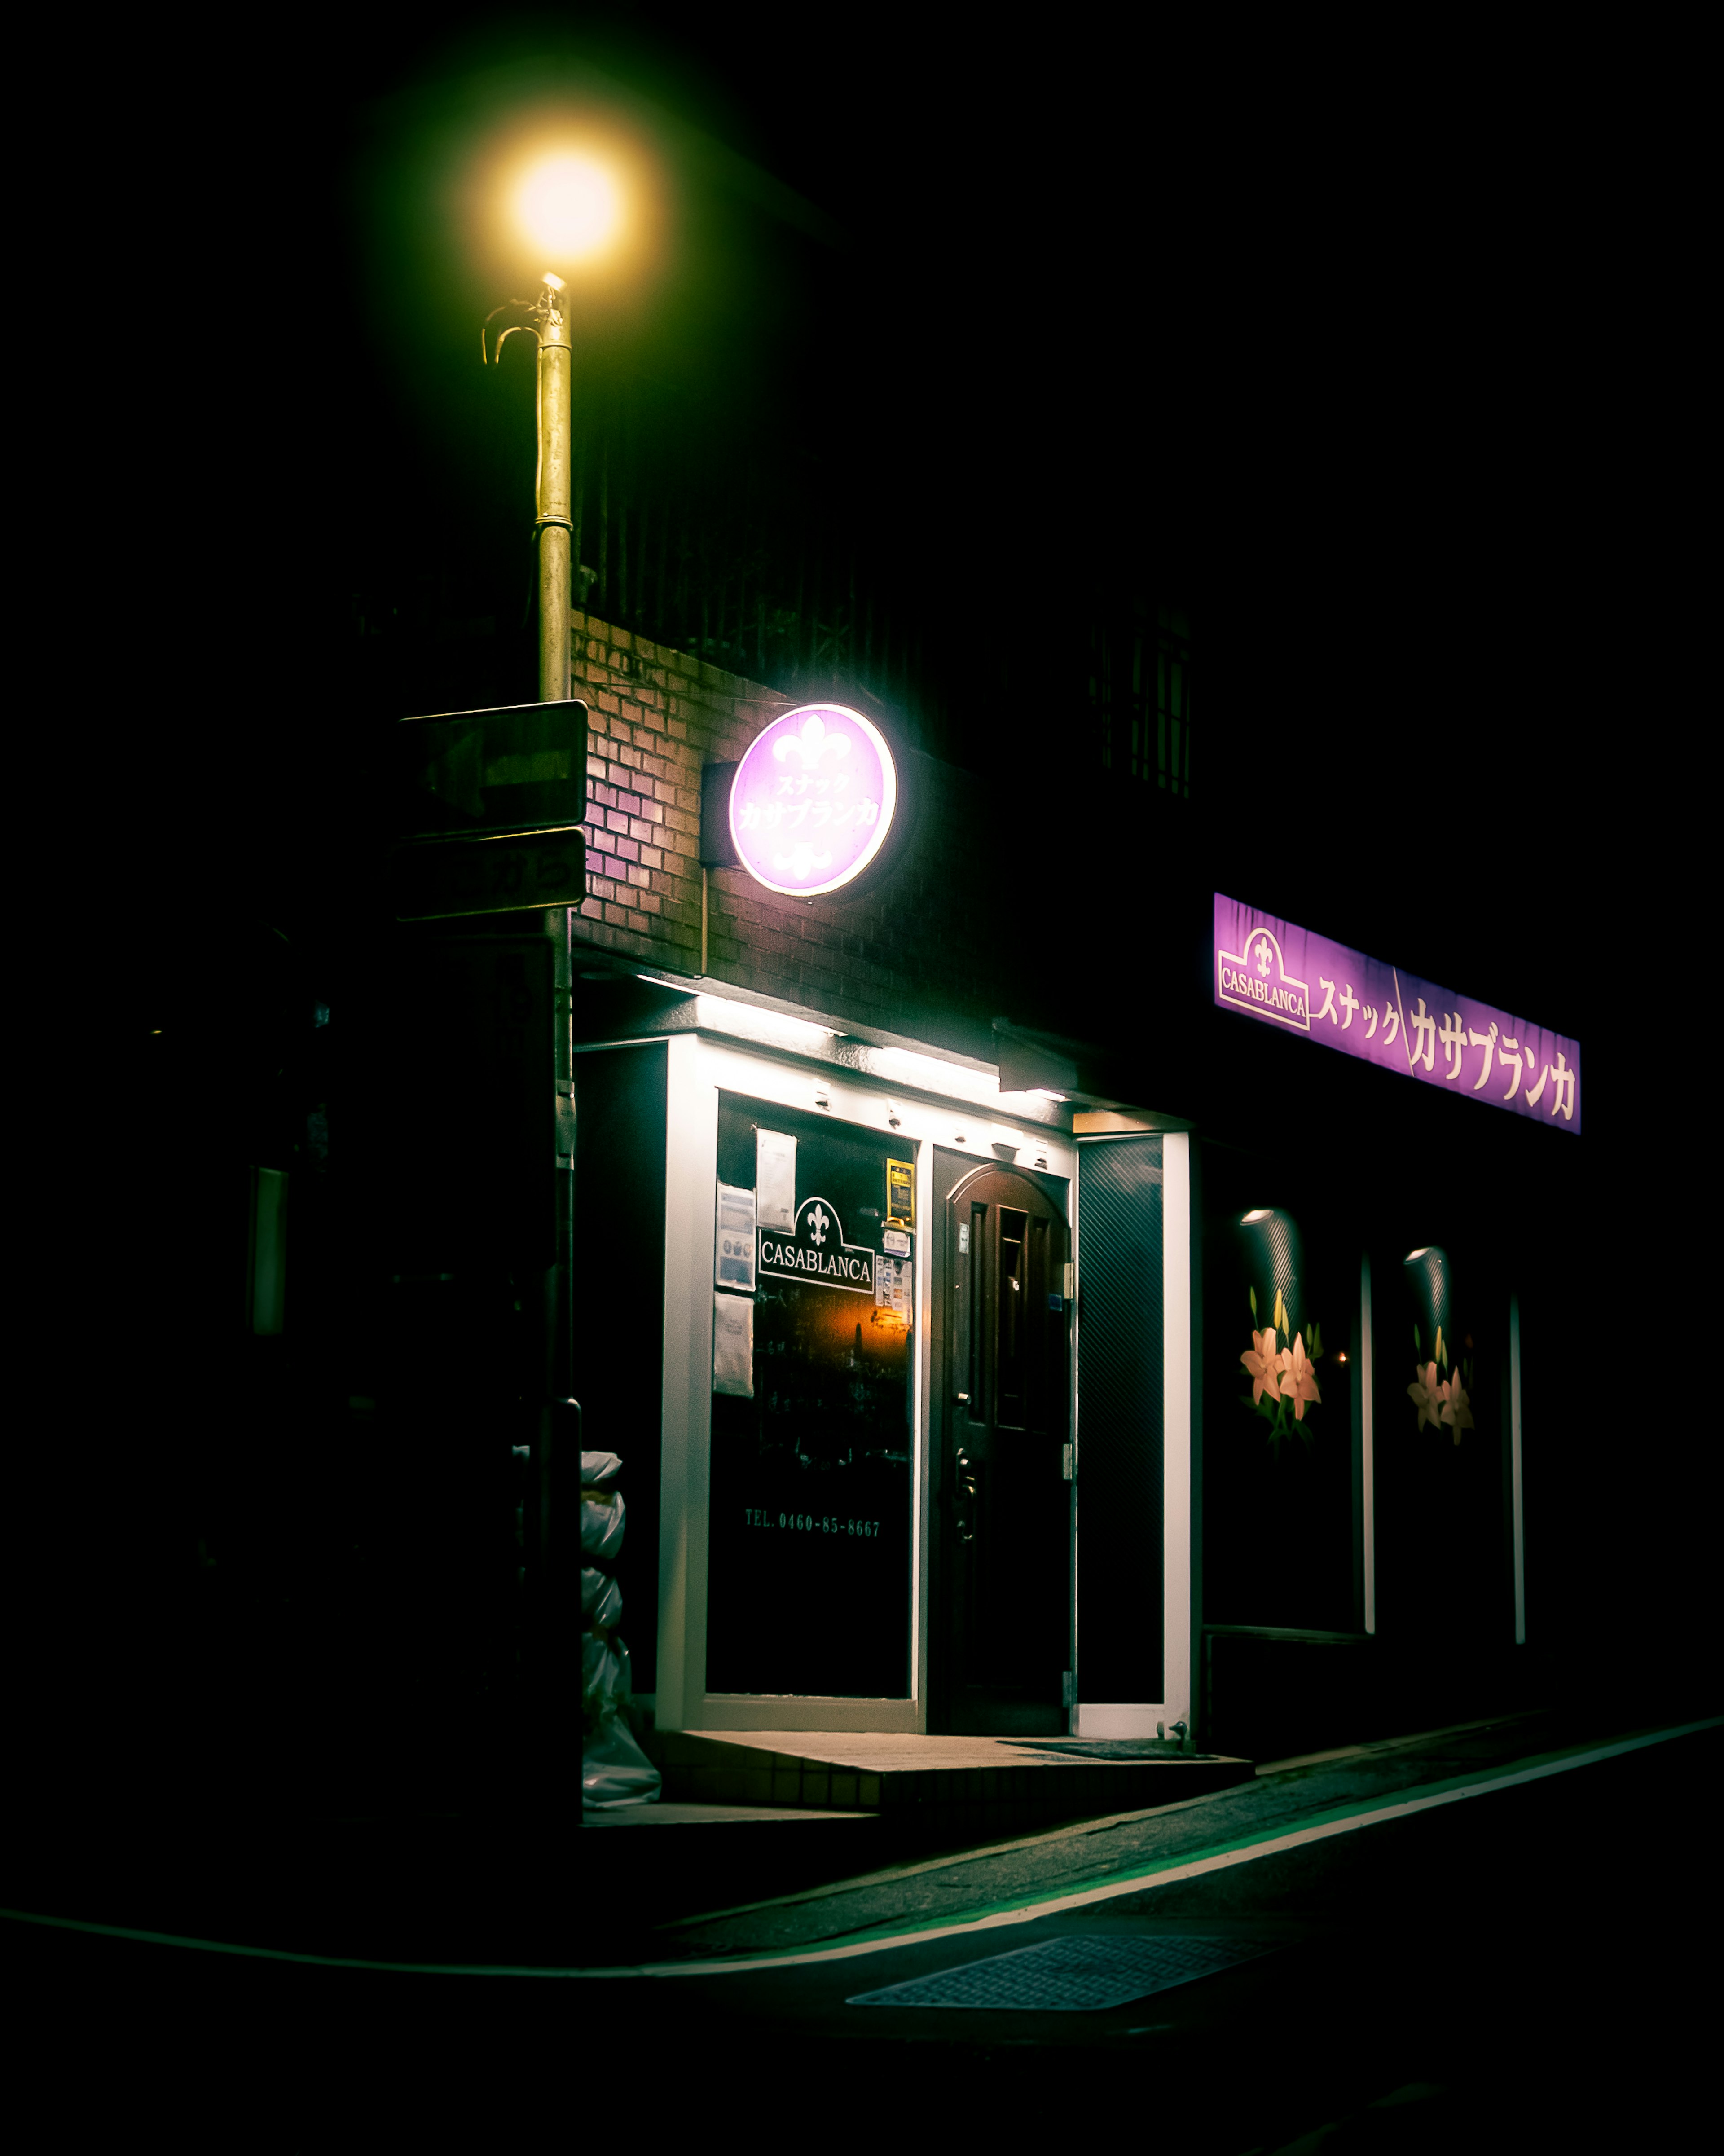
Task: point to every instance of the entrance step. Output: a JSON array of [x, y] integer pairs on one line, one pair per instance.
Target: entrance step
[[932, 1781]]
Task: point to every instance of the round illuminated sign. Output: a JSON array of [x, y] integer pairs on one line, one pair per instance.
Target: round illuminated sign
[[812, 800]]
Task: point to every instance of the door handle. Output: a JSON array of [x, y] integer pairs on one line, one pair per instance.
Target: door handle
[[961, 1400], [962, 1462]]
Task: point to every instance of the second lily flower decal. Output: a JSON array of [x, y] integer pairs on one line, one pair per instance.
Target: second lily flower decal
[[1282, 1377], [1443, 1400]]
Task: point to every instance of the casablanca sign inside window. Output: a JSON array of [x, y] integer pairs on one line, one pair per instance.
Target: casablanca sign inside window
[[812, 800], [1285, 976]]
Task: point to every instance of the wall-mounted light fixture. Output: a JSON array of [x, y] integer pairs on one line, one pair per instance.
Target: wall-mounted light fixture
[[1274, 1262], [1430, 1284]]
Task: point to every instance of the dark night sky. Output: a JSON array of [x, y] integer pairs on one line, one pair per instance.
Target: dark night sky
[[1376, 367]]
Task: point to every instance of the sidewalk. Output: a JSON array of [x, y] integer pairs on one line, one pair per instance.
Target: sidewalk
[[533, 1888], [912, 1883]]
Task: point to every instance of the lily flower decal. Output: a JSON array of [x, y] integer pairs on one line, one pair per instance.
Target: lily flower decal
[[1426, 1395], [1298, 1384], [1262, 1363], [1282, 1377], [1456, 1409]]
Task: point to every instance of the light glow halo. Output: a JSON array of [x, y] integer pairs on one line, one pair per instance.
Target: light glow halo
[[569, 206], [775, 754]]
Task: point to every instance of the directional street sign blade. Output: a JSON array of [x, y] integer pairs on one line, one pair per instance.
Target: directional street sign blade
[[471, 775], [442, 879], [488, 810]]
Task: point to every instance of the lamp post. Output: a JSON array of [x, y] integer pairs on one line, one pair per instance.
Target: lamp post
[[553, 520], [569, 206], [553, 512]]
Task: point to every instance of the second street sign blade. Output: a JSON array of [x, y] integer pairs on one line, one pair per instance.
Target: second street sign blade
[[444, 880]]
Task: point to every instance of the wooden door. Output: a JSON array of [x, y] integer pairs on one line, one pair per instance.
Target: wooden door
[[1002, 1496]]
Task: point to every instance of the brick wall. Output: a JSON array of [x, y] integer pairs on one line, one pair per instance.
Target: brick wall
[[915, 955]]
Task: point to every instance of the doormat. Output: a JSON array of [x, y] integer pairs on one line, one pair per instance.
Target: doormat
[[1081, 1974], [1113, 1747]]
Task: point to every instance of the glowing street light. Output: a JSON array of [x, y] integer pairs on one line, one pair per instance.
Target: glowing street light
[[569, 206]]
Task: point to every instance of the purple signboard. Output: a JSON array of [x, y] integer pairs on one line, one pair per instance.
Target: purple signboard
[[813, 800], [1283, 976]]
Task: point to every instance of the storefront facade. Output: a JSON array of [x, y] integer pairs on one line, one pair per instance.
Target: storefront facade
[[979, 1361]]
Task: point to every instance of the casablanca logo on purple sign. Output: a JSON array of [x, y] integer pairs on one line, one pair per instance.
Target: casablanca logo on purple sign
[[812, 800], [1258, 979], [1290, 978]]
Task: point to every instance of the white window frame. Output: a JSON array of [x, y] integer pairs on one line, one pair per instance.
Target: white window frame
[[699, 1067], [1105, 1718]]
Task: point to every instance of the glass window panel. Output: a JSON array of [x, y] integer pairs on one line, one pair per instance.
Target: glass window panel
[[809, 1570]]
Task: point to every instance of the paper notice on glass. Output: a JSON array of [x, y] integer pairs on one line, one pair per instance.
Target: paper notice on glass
[[733, 1346], [775, 1179], [733, 1257], [892, 1288]]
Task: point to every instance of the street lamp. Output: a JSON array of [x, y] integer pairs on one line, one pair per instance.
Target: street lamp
[[569, 206]]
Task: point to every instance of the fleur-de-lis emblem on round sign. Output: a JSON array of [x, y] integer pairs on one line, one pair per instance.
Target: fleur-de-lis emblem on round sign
[[812, 744], [818, 1222], [802, 860]]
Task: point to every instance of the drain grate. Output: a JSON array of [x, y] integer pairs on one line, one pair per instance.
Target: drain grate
[[1081, 1973]]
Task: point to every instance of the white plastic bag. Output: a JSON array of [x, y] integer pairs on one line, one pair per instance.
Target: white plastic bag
[[601, 1600], [604, 1679], [600, 1466], [615, 1772], [601, 1525]]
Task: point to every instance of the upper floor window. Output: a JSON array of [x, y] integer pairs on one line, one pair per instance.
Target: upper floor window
[[1140, 691]]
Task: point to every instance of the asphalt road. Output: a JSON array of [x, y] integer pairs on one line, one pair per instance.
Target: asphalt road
[[1531, 1966]]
